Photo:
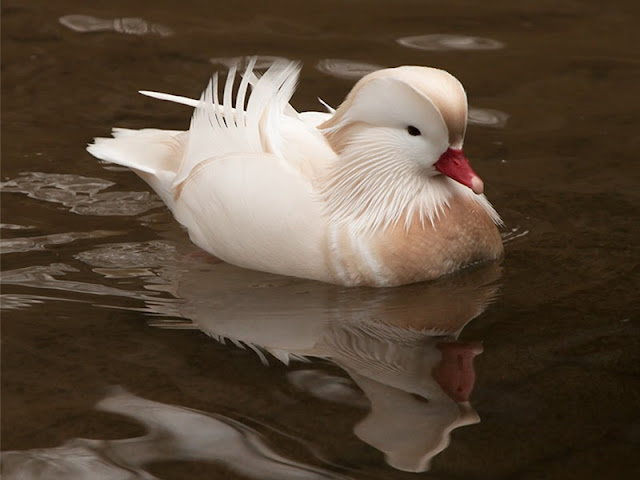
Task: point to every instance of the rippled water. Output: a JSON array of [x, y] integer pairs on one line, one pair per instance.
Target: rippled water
[[446, 41], [131, 26], [347, 69], [129, 354]]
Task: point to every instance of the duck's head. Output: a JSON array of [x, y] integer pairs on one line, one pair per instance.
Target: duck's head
[[416, 116]]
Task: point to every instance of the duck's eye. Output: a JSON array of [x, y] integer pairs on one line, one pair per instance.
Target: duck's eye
[[413, 131]]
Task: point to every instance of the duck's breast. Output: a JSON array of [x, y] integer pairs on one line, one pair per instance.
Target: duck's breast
[[465, 235]]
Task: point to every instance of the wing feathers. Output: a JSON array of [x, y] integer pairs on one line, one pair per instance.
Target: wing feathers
[[242, 92], [227, 102], [221, 128], [171, 98]]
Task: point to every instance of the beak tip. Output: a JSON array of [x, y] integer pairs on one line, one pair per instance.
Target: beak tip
[[455, 165], [477, 185]]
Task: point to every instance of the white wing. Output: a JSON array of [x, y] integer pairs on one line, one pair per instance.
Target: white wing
[[247, 210], [241, 180], [259, 121], [220, 127]]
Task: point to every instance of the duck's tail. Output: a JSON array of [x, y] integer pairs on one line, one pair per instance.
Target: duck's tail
[[155, 155]]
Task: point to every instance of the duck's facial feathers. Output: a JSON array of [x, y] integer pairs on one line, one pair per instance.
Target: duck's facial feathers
[[445, 92], [399, 135], [413, 130]]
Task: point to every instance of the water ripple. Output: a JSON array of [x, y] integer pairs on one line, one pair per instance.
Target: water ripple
[[346, 69], [487, 117], [29, 244], [43, 277], [126, 25], [513, 234], [174, 433], [126, 260], [444, 41], [83, 195], [11, 226], [134, 254], [329, 387], [263, 61], [10, 301]]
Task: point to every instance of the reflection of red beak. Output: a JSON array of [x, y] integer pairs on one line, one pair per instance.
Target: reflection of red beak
[[454, 164], [455, 372]]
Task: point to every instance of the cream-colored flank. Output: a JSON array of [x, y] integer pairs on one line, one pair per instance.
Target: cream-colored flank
[[464, 236], [347, 197]]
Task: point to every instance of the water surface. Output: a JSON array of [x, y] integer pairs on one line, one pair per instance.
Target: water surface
[[126, 356]]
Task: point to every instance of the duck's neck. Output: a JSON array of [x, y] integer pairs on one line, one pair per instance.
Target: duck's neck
[[375, 191]]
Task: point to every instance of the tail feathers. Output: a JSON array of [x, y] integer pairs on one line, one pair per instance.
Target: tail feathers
[[148, 150], [155, 155]]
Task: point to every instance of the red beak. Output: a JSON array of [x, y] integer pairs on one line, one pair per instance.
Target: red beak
[[454, 164]]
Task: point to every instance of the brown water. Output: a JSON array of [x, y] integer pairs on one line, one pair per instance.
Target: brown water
[[105, 370]]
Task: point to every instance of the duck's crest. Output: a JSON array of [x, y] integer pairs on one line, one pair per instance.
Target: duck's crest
[[248, 125]]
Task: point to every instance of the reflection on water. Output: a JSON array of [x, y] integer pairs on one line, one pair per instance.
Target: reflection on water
[[346, 69], [44, 277], [173, 433], [127, 25], [121, 260], [18, 301], [12, 226], [513, 234], [443, 41], [29, 244], [399, 345], [487, 117], [83, 195], [262, 63], [324, 386]]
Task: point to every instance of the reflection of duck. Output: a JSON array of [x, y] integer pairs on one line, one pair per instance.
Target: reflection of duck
[[173, 433], [399, 345], [377, 192]]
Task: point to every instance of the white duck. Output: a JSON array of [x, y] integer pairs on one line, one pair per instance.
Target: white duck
[[377, 192]]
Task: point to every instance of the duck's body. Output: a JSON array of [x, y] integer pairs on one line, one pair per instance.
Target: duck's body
[[354, 197]]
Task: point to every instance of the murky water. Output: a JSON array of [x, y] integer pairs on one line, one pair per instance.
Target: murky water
[[525, 370]]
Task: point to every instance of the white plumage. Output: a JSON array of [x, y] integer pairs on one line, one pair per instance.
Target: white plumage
[[376, 192]]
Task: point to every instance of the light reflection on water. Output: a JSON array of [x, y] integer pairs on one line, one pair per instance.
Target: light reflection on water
[[399, 347], [44, 277], [487, 117], [173, 433], [82, 195], [30, 244], [443, 41], [126, 25], [346, 69], [263, 61], [18, 301]]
